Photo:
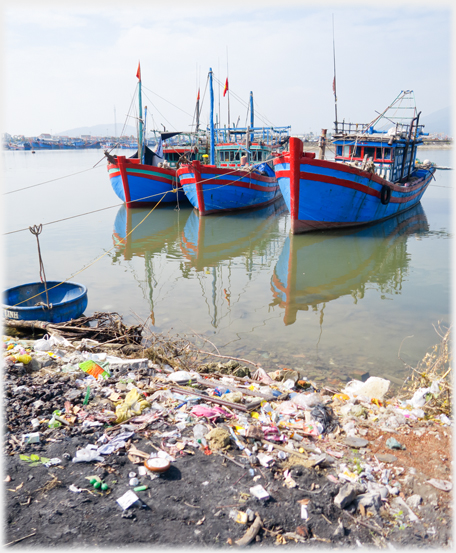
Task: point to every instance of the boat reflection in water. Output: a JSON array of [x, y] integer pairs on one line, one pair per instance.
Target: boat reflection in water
[[146, 232], [314, 269], [207, 241], [141, 232], [219, 245]]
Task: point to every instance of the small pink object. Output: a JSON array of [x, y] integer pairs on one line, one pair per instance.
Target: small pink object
[[208, 412]]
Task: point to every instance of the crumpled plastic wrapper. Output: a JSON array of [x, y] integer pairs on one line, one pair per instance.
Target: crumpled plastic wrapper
[[133, 404]]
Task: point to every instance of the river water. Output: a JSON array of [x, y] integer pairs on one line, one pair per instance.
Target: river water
[[334, 305]]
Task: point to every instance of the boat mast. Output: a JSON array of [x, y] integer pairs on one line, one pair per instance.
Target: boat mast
[[140, 138], [198, 111], [228, 90], [334, 81], [212, 152]]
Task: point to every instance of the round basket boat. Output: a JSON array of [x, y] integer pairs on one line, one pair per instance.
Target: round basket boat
[[27, 302]]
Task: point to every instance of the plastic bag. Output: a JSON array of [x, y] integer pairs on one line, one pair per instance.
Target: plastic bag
[[43, 344], [307, 401], [86, 455], [134, 404]]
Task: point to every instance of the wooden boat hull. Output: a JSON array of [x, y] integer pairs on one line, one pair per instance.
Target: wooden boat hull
[[68, 301], [138, 185], [213, 189], [314, 269], [326, 194]]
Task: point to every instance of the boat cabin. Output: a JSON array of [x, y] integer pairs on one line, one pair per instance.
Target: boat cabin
[[240, 147], [174, 154], [390, 154], [235, 155]]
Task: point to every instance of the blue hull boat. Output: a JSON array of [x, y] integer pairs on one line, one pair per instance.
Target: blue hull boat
[[373, 176], [213, 189], [27, 302], [238, 176]]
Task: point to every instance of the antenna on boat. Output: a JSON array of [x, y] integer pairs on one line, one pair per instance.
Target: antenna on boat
[[334, 80], [252, 117]]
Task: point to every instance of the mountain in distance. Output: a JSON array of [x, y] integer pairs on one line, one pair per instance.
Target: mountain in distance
[[438, 122], [110, 129]]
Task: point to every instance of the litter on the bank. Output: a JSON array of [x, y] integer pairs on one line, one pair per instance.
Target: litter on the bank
[[52, 462], [86, 455], [157, 464], [133, 404], [31, 438], [259, 492], [115, 444], [443, 485], [127, 499], [392, 443], [92, 368], [239, 516]]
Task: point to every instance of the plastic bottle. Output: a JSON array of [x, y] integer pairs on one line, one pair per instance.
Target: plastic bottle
[[199, 431]]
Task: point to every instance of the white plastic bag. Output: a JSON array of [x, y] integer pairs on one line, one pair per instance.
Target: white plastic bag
[[86, 455], [43, 344]]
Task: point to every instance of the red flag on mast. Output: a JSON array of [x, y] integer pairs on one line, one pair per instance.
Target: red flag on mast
[[138, 73], [226, 87], [198, 97]]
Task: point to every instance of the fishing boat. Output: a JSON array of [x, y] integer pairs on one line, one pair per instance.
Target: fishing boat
[[238, 175], [315, 269], [372, 177], [145, 178]]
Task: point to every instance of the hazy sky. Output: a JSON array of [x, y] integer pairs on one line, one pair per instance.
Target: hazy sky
[[71, 66]]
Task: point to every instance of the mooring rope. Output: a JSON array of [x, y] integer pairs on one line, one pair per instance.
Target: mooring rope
[[95, 260], [36, 231]]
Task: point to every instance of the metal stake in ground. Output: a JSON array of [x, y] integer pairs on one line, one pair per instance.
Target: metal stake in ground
[[36, 230]]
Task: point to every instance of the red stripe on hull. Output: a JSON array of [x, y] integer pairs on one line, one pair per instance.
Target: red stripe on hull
[[123, 173], [299, 226]]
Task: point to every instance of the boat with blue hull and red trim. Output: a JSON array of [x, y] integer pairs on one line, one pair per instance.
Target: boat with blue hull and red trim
[[372, 177], [212, 189], [238, 176], [147, 178], [138, 184]]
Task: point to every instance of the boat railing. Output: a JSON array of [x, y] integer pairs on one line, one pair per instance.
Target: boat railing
[[270, 136], [344, 129]]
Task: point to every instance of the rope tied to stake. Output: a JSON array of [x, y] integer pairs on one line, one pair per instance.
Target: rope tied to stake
[[36, 230]]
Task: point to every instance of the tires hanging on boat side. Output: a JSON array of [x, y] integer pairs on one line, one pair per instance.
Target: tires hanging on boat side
[[385, 194]]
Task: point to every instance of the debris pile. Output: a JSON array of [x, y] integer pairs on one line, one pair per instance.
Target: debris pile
[[248, 456]]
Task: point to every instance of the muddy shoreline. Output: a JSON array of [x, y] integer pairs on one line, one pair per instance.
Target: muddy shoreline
[[306, 466]]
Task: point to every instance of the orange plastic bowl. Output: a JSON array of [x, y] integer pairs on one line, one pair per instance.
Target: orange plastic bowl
[[157, 464]]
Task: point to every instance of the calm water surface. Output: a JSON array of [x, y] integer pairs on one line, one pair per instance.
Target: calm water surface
[[334, 305]]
